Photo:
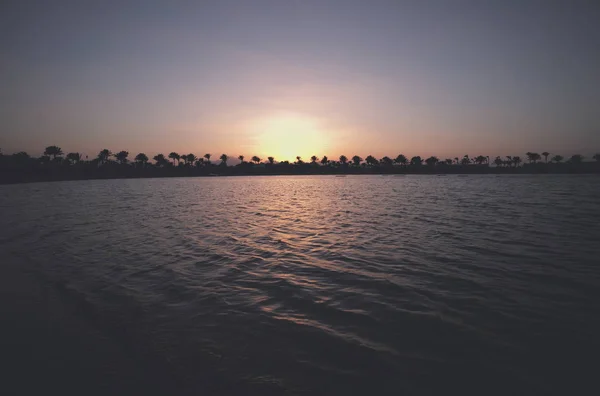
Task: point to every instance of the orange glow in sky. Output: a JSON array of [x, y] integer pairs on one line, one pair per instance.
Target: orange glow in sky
[[287, 135]]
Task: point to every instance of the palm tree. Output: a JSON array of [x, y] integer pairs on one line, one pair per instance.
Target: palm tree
[[271, 160], [160, 160], [498, 161], [174, 156], [509, 160], [387, 161], [416, 161], [576, 159], [432, 161], [53, 152], [356, 160], [141, 158], [596, 157], [121, 156], [324, 160], [517, 160], [256, 159], [241, 158], [401, 159], [343, 159], [299, 160], [449, 161], [314, 159], [104, 155], [533, 157], [74, 157], [371, 161], [224, 159], [191, 159], [207, 156], [557, 158], [465, 160], [480, 159], [546, 154]]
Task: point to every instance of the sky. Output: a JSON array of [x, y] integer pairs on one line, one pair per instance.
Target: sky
[[287, 77]]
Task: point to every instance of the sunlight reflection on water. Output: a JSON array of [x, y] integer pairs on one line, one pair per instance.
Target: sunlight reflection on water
[[323, 282]]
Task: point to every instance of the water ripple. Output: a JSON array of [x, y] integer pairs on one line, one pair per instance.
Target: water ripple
[[308, 284]]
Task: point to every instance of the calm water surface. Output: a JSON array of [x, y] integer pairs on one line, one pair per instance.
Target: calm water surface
[[326, 285]]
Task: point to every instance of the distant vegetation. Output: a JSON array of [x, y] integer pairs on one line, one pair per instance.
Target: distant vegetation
[[54, 164]]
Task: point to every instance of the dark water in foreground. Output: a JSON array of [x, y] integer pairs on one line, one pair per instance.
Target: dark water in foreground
[[324, 285]]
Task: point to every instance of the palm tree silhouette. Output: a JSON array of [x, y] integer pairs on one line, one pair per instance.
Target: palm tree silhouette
[[416, 161], [74, 157], [387, 161], [546, 154], [371, 161], [191, 159], [53, 152], [533, 157], [576, 159], [401, 159], [160, 160], [480, 159], [517, 160], [174, 156], [121, 156], [224, 159], [431, 161], [141, 158], [104, 155]]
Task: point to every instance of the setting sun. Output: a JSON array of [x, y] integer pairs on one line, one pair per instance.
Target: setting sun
[[286, 136]]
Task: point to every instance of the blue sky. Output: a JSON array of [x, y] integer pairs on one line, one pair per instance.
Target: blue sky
[[309, 77]]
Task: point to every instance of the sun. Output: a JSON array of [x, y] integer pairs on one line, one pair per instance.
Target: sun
[[286, 136]]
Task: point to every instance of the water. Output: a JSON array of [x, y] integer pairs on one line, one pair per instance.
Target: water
[[325, 285]]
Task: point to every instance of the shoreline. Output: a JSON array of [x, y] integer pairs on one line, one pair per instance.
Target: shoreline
[[227, 172]]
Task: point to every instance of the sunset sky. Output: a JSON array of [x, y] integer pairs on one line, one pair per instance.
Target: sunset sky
[[287, 78]]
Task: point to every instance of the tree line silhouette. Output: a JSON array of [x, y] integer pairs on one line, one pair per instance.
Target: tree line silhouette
[[54, 164]]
